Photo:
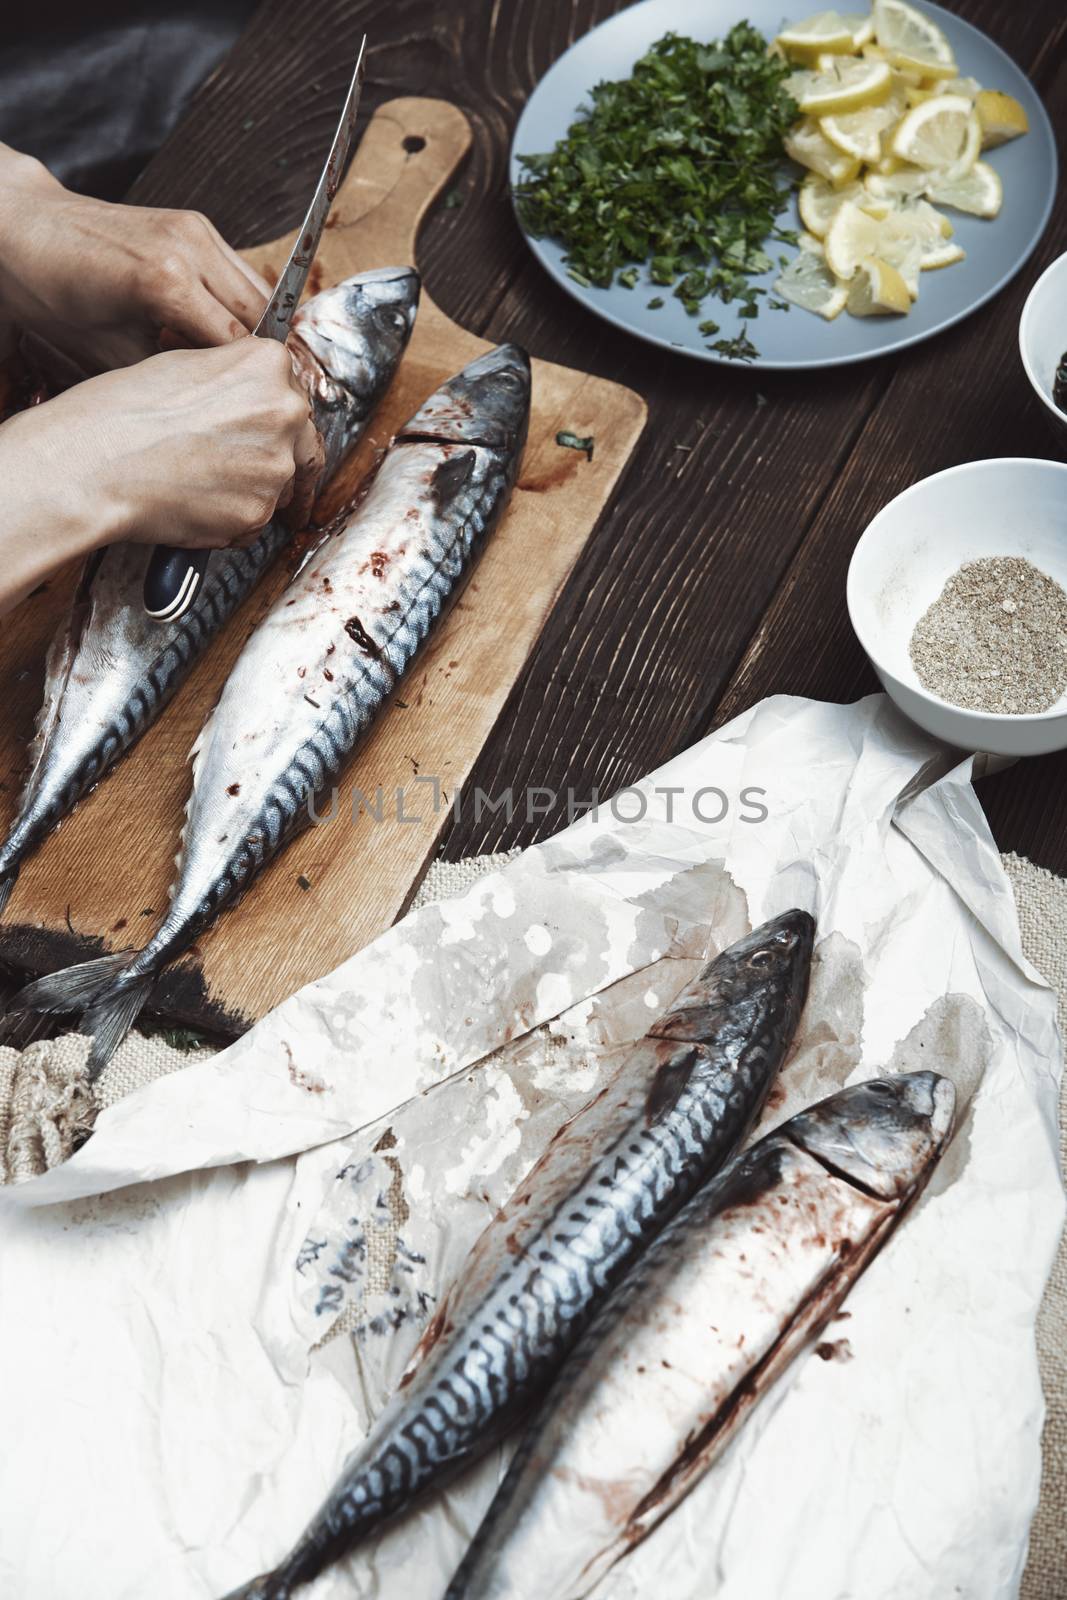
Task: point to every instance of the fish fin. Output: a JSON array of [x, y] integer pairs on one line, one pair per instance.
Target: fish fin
[[71, 988], [112, 1014], [103, 993], [7, 883]]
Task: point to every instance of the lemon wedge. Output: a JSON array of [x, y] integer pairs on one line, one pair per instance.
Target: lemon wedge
[[906, 183], [910, 239], [851, 83], [859, 133], [819, 201], [970, 88], [808, 282], [978, 192], [861, 29], [918, 227], [1000, 117], [852, 237], [877, 289], [912, 40], [825, 31], [808, 145], [943, 133]]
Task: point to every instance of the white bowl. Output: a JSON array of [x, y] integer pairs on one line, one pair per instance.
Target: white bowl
[[1010, 507], [1043, 339]]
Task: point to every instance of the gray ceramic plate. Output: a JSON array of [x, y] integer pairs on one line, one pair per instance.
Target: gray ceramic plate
[[995, 250]]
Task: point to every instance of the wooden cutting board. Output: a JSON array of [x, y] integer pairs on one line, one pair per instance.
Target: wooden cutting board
[[102, 880]]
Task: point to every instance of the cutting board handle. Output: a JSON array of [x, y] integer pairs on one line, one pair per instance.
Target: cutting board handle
[[410, 149]]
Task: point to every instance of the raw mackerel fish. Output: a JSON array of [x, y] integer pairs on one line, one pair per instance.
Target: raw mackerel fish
[[111, 669], [612, 1177], [730, 1293], [319, 667]]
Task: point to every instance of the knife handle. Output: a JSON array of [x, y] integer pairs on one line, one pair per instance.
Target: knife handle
[[173, 581]]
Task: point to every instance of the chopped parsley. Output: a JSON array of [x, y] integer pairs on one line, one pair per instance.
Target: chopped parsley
[[678, 167]]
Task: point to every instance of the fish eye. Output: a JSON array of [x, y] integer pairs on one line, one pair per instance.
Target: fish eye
[[510, 380], [760, 958]]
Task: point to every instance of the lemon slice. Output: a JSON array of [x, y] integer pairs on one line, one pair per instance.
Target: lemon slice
[[943, 133], [847, 86], [878, 290], [1000, 117], [859, 133], [978, 192], [825, 31], [946, 255], [917, 227], [808, 282], [889, 164], [912, 40], [808, 145], [906, 183], [853, 236], [861, 29], [819, 201], [970, 88], [909, 240]]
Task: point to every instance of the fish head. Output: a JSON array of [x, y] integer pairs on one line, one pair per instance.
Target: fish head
[[763, 978], [488, 403], [355, 333], [884, 1135]]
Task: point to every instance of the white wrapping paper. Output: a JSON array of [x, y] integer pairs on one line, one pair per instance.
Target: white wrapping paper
[[172, 1415]]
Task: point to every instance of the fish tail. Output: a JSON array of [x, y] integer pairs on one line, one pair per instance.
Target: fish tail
[[107, 994], [111, 1016]]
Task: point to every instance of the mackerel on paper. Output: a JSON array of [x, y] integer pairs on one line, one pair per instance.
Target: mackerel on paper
[[612, 1177], [731, 1292]]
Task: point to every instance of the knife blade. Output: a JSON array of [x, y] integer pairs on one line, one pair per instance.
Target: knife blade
[[174, 575]]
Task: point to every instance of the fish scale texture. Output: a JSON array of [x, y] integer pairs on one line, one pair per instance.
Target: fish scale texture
[[676, 1110]]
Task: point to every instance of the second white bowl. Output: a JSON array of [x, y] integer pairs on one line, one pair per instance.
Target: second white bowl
[[1008, 507], [1043, 340]]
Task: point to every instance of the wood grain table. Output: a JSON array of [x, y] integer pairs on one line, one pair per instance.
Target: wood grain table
[[716, 576]]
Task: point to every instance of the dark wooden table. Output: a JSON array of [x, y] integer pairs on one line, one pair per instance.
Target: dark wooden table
[[716, 576]]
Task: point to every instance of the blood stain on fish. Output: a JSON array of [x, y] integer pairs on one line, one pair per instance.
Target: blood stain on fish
[[359, 636]]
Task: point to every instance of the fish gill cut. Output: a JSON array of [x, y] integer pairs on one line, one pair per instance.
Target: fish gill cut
[[607, 1184], [111, 668], [316, 671], [733, 1289]]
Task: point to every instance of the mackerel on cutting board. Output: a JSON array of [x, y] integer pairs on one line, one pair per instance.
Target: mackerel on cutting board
[[95, 884]]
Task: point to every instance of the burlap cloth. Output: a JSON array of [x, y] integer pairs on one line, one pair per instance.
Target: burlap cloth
[[46, 1108]]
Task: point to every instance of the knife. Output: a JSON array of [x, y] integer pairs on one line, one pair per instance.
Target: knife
[[173, 579]]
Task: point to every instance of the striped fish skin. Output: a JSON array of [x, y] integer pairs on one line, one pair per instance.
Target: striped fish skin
[[608, 1183], [314, 674], [730, 1293], [111, 669]]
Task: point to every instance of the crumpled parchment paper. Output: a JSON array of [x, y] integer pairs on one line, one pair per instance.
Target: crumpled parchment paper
[[186, 1363]]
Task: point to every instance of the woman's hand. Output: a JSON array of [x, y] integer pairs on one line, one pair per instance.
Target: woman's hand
[[101, 282], [192, 447]]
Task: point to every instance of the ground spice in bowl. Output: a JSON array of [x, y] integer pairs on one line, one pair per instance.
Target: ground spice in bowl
[[995, 639]]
